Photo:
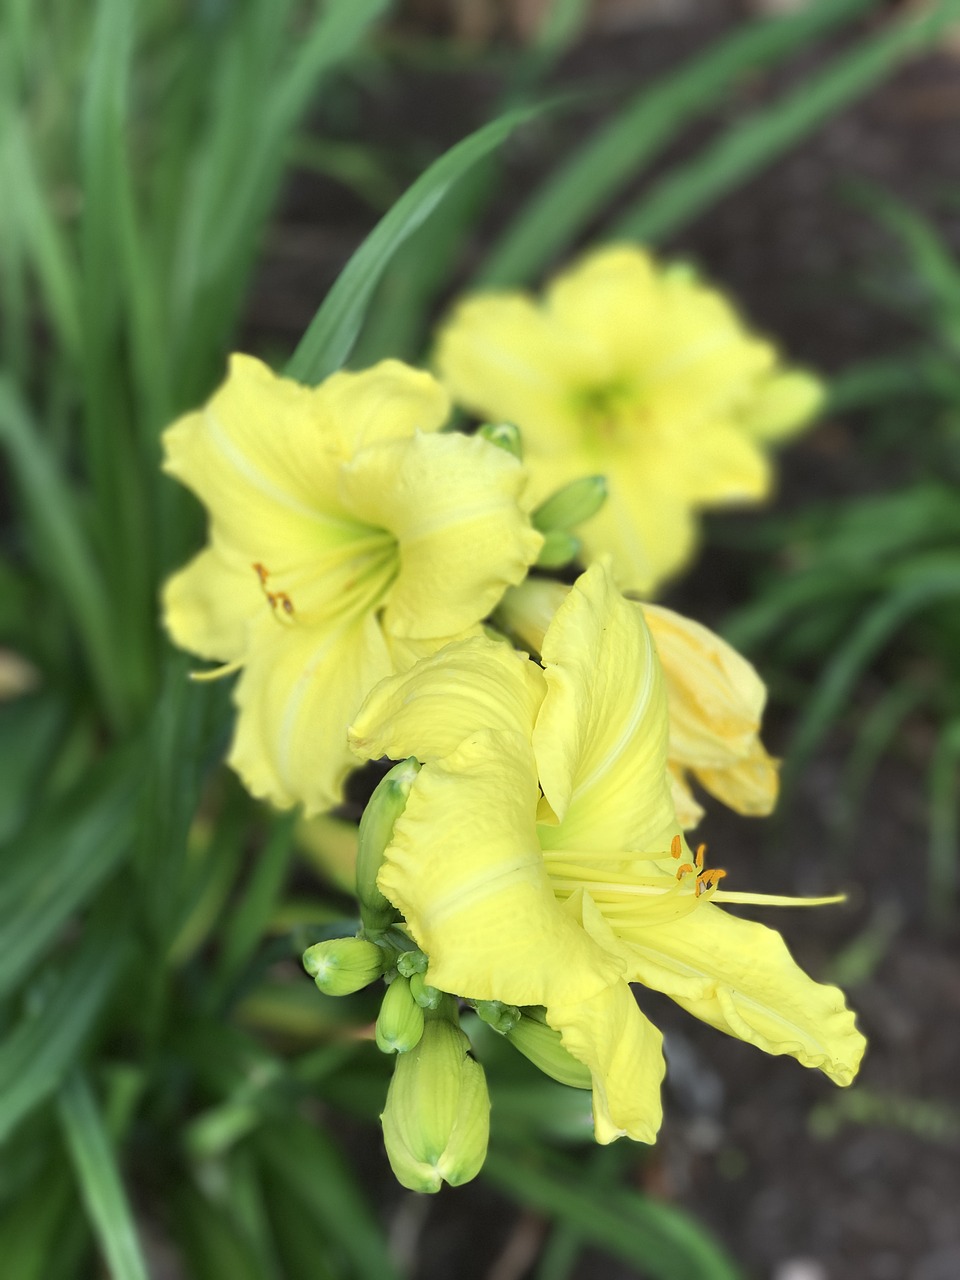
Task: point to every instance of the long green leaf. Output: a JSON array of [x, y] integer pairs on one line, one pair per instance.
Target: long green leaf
[[41, 1049], [944, 852], [580, 189], [99, 1180], [334, 329], [687, 191], [655, 1237]]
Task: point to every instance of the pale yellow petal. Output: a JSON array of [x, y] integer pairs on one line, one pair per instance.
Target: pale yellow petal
[[623, 1051], [464, 687], [688, 810], [261, 456], [502, 359], [601, 735], [300, 689], [646, 530], [783, 403], [740, 977], [390, 401], [719, 463], [208, 606], [526, 611], [465, 870], [452, 503], [750, 786]]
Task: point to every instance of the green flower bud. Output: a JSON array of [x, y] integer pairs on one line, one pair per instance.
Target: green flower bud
[[400, 1024], [427, 997], [502, 1017], [571, 505], [411, 962], [376, 830], [544, 1047], [559, 548], [436, 1121], [504, 435], [344, 965]]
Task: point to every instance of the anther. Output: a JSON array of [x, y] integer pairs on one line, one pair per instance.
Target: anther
[[701, 850], [683, 869], [675, 846]]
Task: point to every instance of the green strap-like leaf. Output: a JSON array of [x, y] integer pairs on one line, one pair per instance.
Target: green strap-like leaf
[[99, 1180], [329, 340]]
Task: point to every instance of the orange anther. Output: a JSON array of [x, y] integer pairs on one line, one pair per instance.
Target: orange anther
[[675, 846], [261, 573], [682, 870], [701, 850]]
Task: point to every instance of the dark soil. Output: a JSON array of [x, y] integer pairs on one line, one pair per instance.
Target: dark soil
[[756, 1147]]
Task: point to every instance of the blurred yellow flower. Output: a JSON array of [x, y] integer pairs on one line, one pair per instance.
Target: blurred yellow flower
[[637, 371], [539, 861], [347, 537], [715, 702]]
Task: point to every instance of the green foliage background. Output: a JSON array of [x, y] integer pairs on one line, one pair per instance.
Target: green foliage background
[[166, 1074]]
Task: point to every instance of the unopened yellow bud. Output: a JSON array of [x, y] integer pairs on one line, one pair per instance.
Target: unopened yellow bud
[[400, 1024], [344, 965], [376, 830], [544, 1047], [436, 1121], [571, 505], [504, 435], [559, 548]]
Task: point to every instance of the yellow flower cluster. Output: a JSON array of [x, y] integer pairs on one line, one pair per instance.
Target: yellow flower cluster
[[367, 574]]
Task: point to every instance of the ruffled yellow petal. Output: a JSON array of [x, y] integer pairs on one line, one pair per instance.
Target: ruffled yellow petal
[[601, 735], [688, 810], [740, 977], [623, 1051], [465, 870], [261, 456], [300, 689], [452, 504], [390, 401], [208, 606], [464, 687], [715, 700]]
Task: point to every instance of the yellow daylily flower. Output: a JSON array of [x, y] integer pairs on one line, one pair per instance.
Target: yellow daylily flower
[[539, 860], [715, 702], [348, 537], [637, 371]]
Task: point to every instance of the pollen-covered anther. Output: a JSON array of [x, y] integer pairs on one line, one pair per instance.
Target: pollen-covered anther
[[676, 847], [684, 869], [279, 601]]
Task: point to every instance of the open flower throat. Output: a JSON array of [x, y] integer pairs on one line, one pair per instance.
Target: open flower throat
[[539, 860]]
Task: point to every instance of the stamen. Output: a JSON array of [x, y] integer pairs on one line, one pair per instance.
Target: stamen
[[701, 850], [275, 599], [218, 673], [683, 869], [676, 847]]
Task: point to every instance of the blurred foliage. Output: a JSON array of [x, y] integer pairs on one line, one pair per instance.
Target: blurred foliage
[[167, 1074]]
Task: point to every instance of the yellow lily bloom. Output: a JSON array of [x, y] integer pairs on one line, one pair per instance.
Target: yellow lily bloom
[[715, 702], [539, 860], [642, 373], [348, 537]]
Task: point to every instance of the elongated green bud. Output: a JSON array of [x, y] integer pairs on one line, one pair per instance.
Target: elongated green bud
[[543, 1046], [559, 548], [502, 1017], [427, 997], [344, 965], [504, 435], [436, 1122], [571, 505], [376, 829], [400, 1024]]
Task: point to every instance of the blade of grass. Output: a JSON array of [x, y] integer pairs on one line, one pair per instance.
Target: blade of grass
[[690, 189], [41, 1049], [665, 1243], [99, 1180], [333, 331], [68, 561], [579, 190], [303, 1161]]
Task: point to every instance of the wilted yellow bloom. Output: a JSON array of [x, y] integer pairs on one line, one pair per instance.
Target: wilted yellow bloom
[[715, 702], [641, 373], [347, 537], [539, 861]]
